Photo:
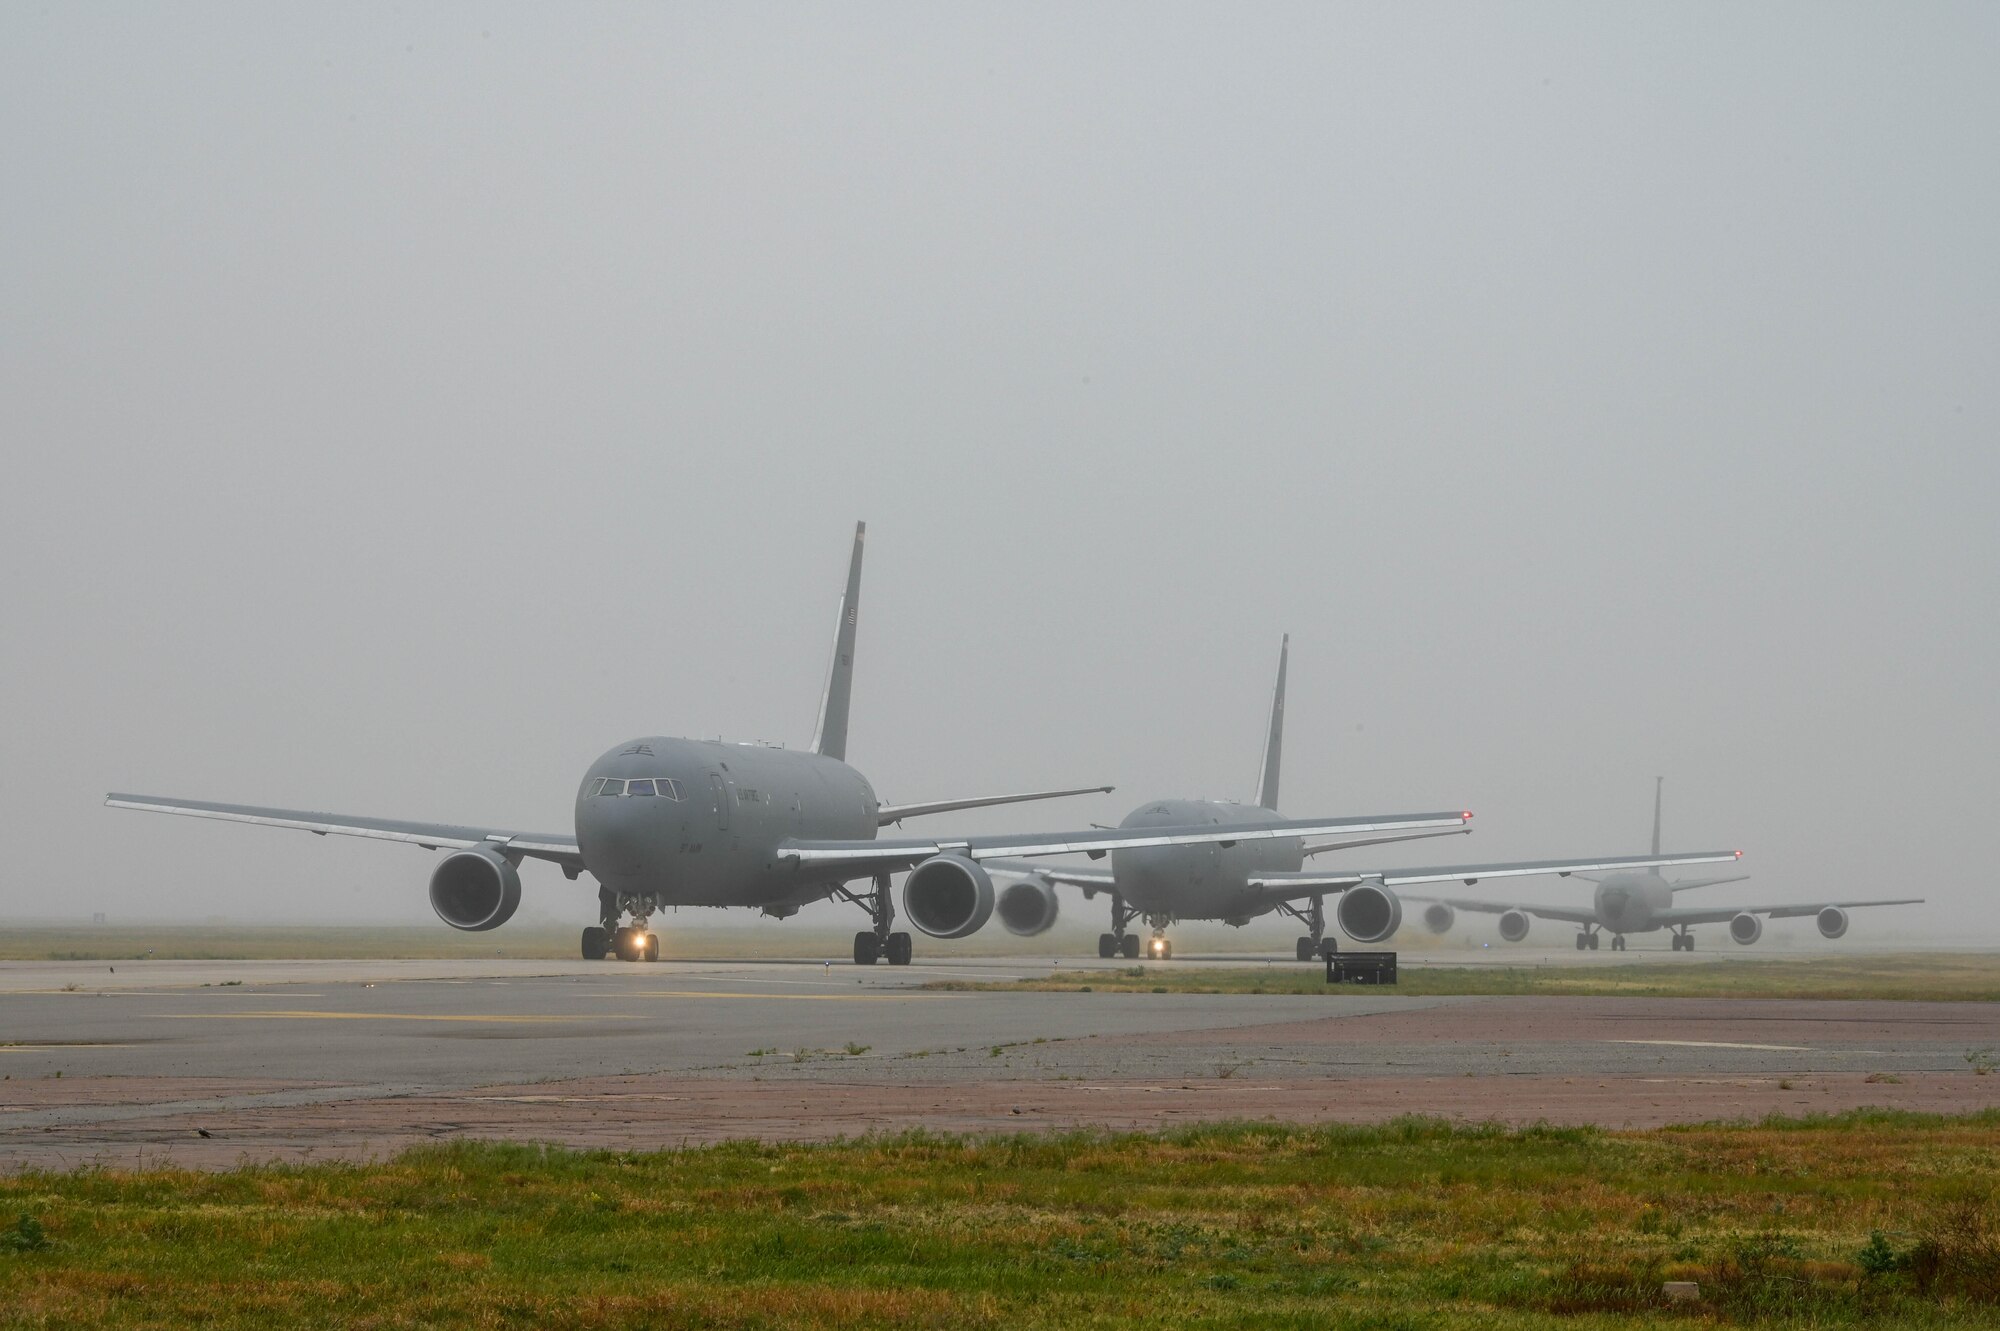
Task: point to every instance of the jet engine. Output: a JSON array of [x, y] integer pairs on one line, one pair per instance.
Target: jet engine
[[1438, 917], [1746, 928], [475, 889], [1832, 922], [1369, 913], [1028, 907], [1514, 925], [948, 896]]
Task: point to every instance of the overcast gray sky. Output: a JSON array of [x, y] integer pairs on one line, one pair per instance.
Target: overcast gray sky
[[405, 404]]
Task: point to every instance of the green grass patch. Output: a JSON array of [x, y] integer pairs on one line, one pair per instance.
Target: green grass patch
[[1865, 1219], [1929, 976]]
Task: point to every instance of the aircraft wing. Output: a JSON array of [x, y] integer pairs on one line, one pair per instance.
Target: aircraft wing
[[856, 858], [896, 813], [1286, 886], [1090, 880], [556, 846], [1719, 915], [1573, 914]]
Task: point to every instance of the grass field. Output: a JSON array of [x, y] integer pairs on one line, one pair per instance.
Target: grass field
[[1937, 976], [1872, 1219]]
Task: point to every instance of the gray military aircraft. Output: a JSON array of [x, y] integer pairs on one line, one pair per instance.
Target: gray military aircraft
[[1236, 882], [1635, 903], [679, 822]]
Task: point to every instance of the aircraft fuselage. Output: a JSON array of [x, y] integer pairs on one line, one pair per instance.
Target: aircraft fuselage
[[712, 839], [1207, 882], [1626, 903]]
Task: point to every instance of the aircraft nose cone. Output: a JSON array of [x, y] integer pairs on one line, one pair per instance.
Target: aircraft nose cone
[[613, 840]]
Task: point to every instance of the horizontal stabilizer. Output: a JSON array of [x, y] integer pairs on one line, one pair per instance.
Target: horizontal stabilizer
[[1325, 846], [1707, 882], [896, 813]]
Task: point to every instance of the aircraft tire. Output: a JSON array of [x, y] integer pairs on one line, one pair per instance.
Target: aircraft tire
[[1580, 944], [899, 949], [1128, 947], [1593, 942], [1618, 942], [1107, 946], [651, 950], [1166, 952], [595, 944], [867, 948], [1305, 947]]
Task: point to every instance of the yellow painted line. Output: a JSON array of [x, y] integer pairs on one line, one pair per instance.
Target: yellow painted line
[[37, 1048], [304, 1015], [782, 998]]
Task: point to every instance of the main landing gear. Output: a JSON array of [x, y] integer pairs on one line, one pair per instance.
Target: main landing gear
[[1312, 946], [1587, 939], [633, 942], [1118, 943], [1682, 941], [1618, 942], [878, 944]]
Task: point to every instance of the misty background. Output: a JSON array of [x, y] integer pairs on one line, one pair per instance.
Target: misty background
[[404, 405]]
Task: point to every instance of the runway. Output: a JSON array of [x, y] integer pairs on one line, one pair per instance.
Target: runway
[[214, 1063]]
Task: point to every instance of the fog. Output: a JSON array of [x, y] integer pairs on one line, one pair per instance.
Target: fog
[[404, 405]]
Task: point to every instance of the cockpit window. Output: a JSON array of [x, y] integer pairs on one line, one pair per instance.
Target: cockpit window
[[664, 786]]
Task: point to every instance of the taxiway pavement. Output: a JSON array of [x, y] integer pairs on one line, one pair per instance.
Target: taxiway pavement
[[214, 1063]]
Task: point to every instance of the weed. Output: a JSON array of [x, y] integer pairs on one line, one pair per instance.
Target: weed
[[1982, 1062], [27, 1235], [760, 1053], [1877, 1258], [857, 1050], [1889, 1078]]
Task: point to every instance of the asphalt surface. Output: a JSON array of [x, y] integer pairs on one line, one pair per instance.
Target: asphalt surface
[[212, 1063]]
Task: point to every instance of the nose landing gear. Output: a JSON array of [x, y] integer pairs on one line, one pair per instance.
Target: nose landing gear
[[633, 942]]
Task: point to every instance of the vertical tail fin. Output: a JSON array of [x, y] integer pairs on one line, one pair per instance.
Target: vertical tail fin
[[1658, 782], [830, 735], [1274, 743]]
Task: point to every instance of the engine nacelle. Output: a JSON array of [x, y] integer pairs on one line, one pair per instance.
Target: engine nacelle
[[1514, 925], [1369, 913], [1746, 928], [1028, 907], [1438, 917], [475, 889], [948, 896], [1832, 922]]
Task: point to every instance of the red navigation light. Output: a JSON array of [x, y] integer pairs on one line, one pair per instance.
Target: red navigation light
[[1465, 815]]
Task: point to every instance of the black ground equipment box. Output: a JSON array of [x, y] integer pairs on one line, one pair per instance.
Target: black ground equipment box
[[1360, 967]]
